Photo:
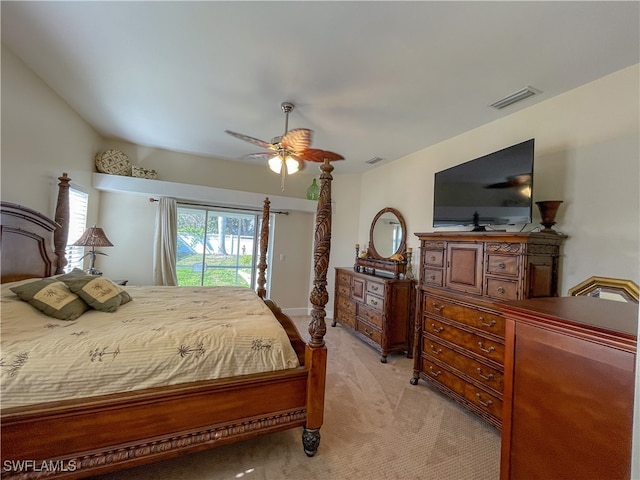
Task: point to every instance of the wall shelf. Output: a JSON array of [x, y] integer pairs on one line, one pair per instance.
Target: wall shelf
[[197, 193]]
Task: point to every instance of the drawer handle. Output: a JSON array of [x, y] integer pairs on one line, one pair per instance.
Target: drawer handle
[[374, 288], [433, 372], [500, 290], [373, 302], [485, 350], [485, 324], [433, 258], [501, 266], [435, 350], [488, 403], [368, 332], [436, 307], [432, 278], [485, 377], [436, 329]]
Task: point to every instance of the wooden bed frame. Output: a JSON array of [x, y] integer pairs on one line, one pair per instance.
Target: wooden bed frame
[[91, 436]]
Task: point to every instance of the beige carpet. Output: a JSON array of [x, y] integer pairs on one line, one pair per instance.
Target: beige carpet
[[377, 426]]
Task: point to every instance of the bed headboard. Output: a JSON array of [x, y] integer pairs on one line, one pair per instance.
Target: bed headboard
[[26, 244], [32, 245]]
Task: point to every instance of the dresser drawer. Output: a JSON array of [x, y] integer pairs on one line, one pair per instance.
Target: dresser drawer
[[344, 278], [487, 402], [434, 258], [502, 265], [473, 317], [370, 315], [374, 301], [370, 331], [346, 305], [483, 400], [344, 290], [375, 287], [474, 343], [432, 276], [485, 375], [345, 318], [501, 289]]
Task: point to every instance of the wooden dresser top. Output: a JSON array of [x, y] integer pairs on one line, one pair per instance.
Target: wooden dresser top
[[598, 314]]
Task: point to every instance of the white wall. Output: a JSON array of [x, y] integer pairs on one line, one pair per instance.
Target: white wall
[[130, 219], [42, 137], [587, 154]]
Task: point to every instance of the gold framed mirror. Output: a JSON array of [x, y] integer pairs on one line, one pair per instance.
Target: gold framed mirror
[[607, 287], [387, 245], [387, 235]]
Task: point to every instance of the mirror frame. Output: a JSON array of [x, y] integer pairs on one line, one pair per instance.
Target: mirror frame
[[593, 285], [403, 242]]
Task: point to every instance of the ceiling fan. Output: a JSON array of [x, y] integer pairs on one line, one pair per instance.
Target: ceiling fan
[[287, 152]]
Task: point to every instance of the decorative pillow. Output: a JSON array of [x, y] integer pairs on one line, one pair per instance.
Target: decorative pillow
[[52, 297], [98, 291]]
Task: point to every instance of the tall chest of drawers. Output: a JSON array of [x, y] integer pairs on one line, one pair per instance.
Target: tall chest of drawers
[[569, 388], [378, 310], [459, 329]]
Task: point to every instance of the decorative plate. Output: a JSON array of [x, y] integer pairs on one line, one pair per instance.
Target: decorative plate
[[114, 162], [141, 172]]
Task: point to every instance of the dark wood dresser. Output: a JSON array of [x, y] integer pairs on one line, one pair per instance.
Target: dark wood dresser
[[459, 328], [378, 309], [569, 389]]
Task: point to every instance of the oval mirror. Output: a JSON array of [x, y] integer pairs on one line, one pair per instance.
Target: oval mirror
[[387, 234]]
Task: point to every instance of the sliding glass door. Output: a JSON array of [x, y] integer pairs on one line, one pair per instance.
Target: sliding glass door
[[217, 247]]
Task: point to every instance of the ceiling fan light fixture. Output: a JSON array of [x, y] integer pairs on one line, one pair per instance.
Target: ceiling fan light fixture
[[293, 165], [275, 164], [287, 152]]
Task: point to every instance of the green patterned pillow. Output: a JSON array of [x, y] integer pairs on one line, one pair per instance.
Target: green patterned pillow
[[52, 297], [98, 291]]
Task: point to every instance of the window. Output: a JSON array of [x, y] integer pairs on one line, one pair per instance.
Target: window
[[78, 202], [217, 247]]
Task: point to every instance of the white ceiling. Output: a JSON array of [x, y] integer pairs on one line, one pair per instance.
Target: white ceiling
[[372, 79]]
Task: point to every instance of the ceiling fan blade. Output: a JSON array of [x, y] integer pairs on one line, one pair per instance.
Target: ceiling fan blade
[[318, 156], [255, 141], [297, 140], [262, 156]]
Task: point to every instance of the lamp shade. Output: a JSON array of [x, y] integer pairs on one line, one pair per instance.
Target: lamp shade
[[93, 237]]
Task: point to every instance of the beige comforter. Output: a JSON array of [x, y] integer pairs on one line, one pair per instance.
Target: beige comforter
[[164, 336]]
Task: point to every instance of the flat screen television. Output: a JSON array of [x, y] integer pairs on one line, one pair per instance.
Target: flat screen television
[[491, 190]]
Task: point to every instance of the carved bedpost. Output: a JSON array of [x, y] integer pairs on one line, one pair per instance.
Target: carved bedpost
[[264, 243], [61, 235], [321, 249], [316, 351]]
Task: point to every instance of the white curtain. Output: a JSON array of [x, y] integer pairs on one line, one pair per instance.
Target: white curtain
[[165, 245]]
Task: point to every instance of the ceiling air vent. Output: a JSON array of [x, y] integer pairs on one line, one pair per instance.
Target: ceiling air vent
[[515, 97], [373, 160]]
